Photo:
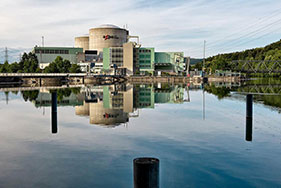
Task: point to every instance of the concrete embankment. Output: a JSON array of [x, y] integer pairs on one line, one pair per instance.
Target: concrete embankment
[[103, 79], [225, 79], [155, 79]]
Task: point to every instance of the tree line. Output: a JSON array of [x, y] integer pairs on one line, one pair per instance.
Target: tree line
[[271, 52], [29, 64]]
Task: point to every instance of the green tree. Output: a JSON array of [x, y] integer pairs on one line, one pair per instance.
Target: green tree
[[75, 68], [59, 65], [5, 67], [28, 63], [14, 67]]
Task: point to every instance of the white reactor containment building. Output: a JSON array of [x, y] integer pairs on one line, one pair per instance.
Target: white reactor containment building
[[104, 36]]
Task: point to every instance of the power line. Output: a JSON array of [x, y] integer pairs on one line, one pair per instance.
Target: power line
[[261, 20], [245, 42], [237, 41], [251, 34], [218, 42]]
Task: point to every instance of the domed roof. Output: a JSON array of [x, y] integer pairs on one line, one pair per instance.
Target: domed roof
[[109, 26]]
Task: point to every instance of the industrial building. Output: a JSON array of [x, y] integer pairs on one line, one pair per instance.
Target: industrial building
[[108, 48], [170, 62], [143, 61], [111, 106], [46, 55], [104, 36]]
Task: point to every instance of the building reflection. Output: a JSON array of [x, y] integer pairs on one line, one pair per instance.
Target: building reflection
[[112, 105]]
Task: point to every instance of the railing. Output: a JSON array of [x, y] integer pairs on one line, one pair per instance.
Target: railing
[[41, 74], [253, 66]]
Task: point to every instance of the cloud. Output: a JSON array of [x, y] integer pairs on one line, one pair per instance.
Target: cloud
[[166, 25]]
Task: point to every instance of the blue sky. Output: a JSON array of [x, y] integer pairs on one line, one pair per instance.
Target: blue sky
[[182, 25]]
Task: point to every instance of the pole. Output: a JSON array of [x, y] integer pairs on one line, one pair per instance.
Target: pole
[[146, 172], [54, 113], [249, 117], [42, 41], [204, 53], [203, 103], [6, 55]]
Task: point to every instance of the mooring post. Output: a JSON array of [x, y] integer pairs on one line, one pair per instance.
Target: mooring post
[[54, 113], [249, 117], [146, 172]]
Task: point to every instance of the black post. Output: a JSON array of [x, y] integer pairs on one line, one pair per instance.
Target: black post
[[249, 117], [54, 113], [146, 172]]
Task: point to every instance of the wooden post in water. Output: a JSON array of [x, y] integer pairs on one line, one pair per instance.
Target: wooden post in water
[[146, 173], [54, 113], [249, 117]]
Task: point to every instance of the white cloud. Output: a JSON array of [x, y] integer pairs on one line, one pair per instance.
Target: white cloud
[[165, 25]]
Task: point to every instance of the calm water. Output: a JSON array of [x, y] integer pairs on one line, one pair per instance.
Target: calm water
[[198, 137]]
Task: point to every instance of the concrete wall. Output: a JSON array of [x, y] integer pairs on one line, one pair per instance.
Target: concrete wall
[[106, 116], [82, 110], [128, 57], [98, 41], [82, 42]]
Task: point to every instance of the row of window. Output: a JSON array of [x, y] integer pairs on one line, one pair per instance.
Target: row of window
[[120, 50], [145, 66], [49, 51], [117, 55], [145, 94], [144, 62], [144, 104], [144, 56], [144, 51]]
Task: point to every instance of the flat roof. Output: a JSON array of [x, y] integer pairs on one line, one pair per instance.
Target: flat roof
[[57, 48]]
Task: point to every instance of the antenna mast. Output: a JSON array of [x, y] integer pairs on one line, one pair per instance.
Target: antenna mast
[[6, 55], [42, 41]]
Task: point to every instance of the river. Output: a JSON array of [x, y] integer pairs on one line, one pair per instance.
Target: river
[[198, 132]]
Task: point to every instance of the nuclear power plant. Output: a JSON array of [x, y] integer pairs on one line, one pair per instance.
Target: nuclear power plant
[[104, 36], [109, 49], [82, 42]]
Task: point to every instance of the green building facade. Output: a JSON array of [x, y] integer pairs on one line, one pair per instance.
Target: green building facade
[[47, 55], [106, 58], [144, 96], [146, 59], [169, 61]]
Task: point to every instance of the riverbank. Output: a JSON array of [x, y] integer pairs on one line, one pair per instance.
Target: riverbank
[[76, 79]]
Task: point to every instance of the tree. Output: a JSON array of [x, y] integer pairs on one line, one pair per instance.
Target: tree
[[14, 67], [75, 68], [59, 65], [28, 63], [5, 67]]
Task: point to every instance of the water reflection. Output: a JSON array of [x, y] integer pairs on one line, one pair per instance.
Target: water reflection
[[54, 113], [249, 117], [216, 148], [110, 105]]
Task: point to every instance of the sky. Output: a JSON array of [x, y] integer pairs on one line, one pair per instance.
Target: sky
[[180, 25]]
